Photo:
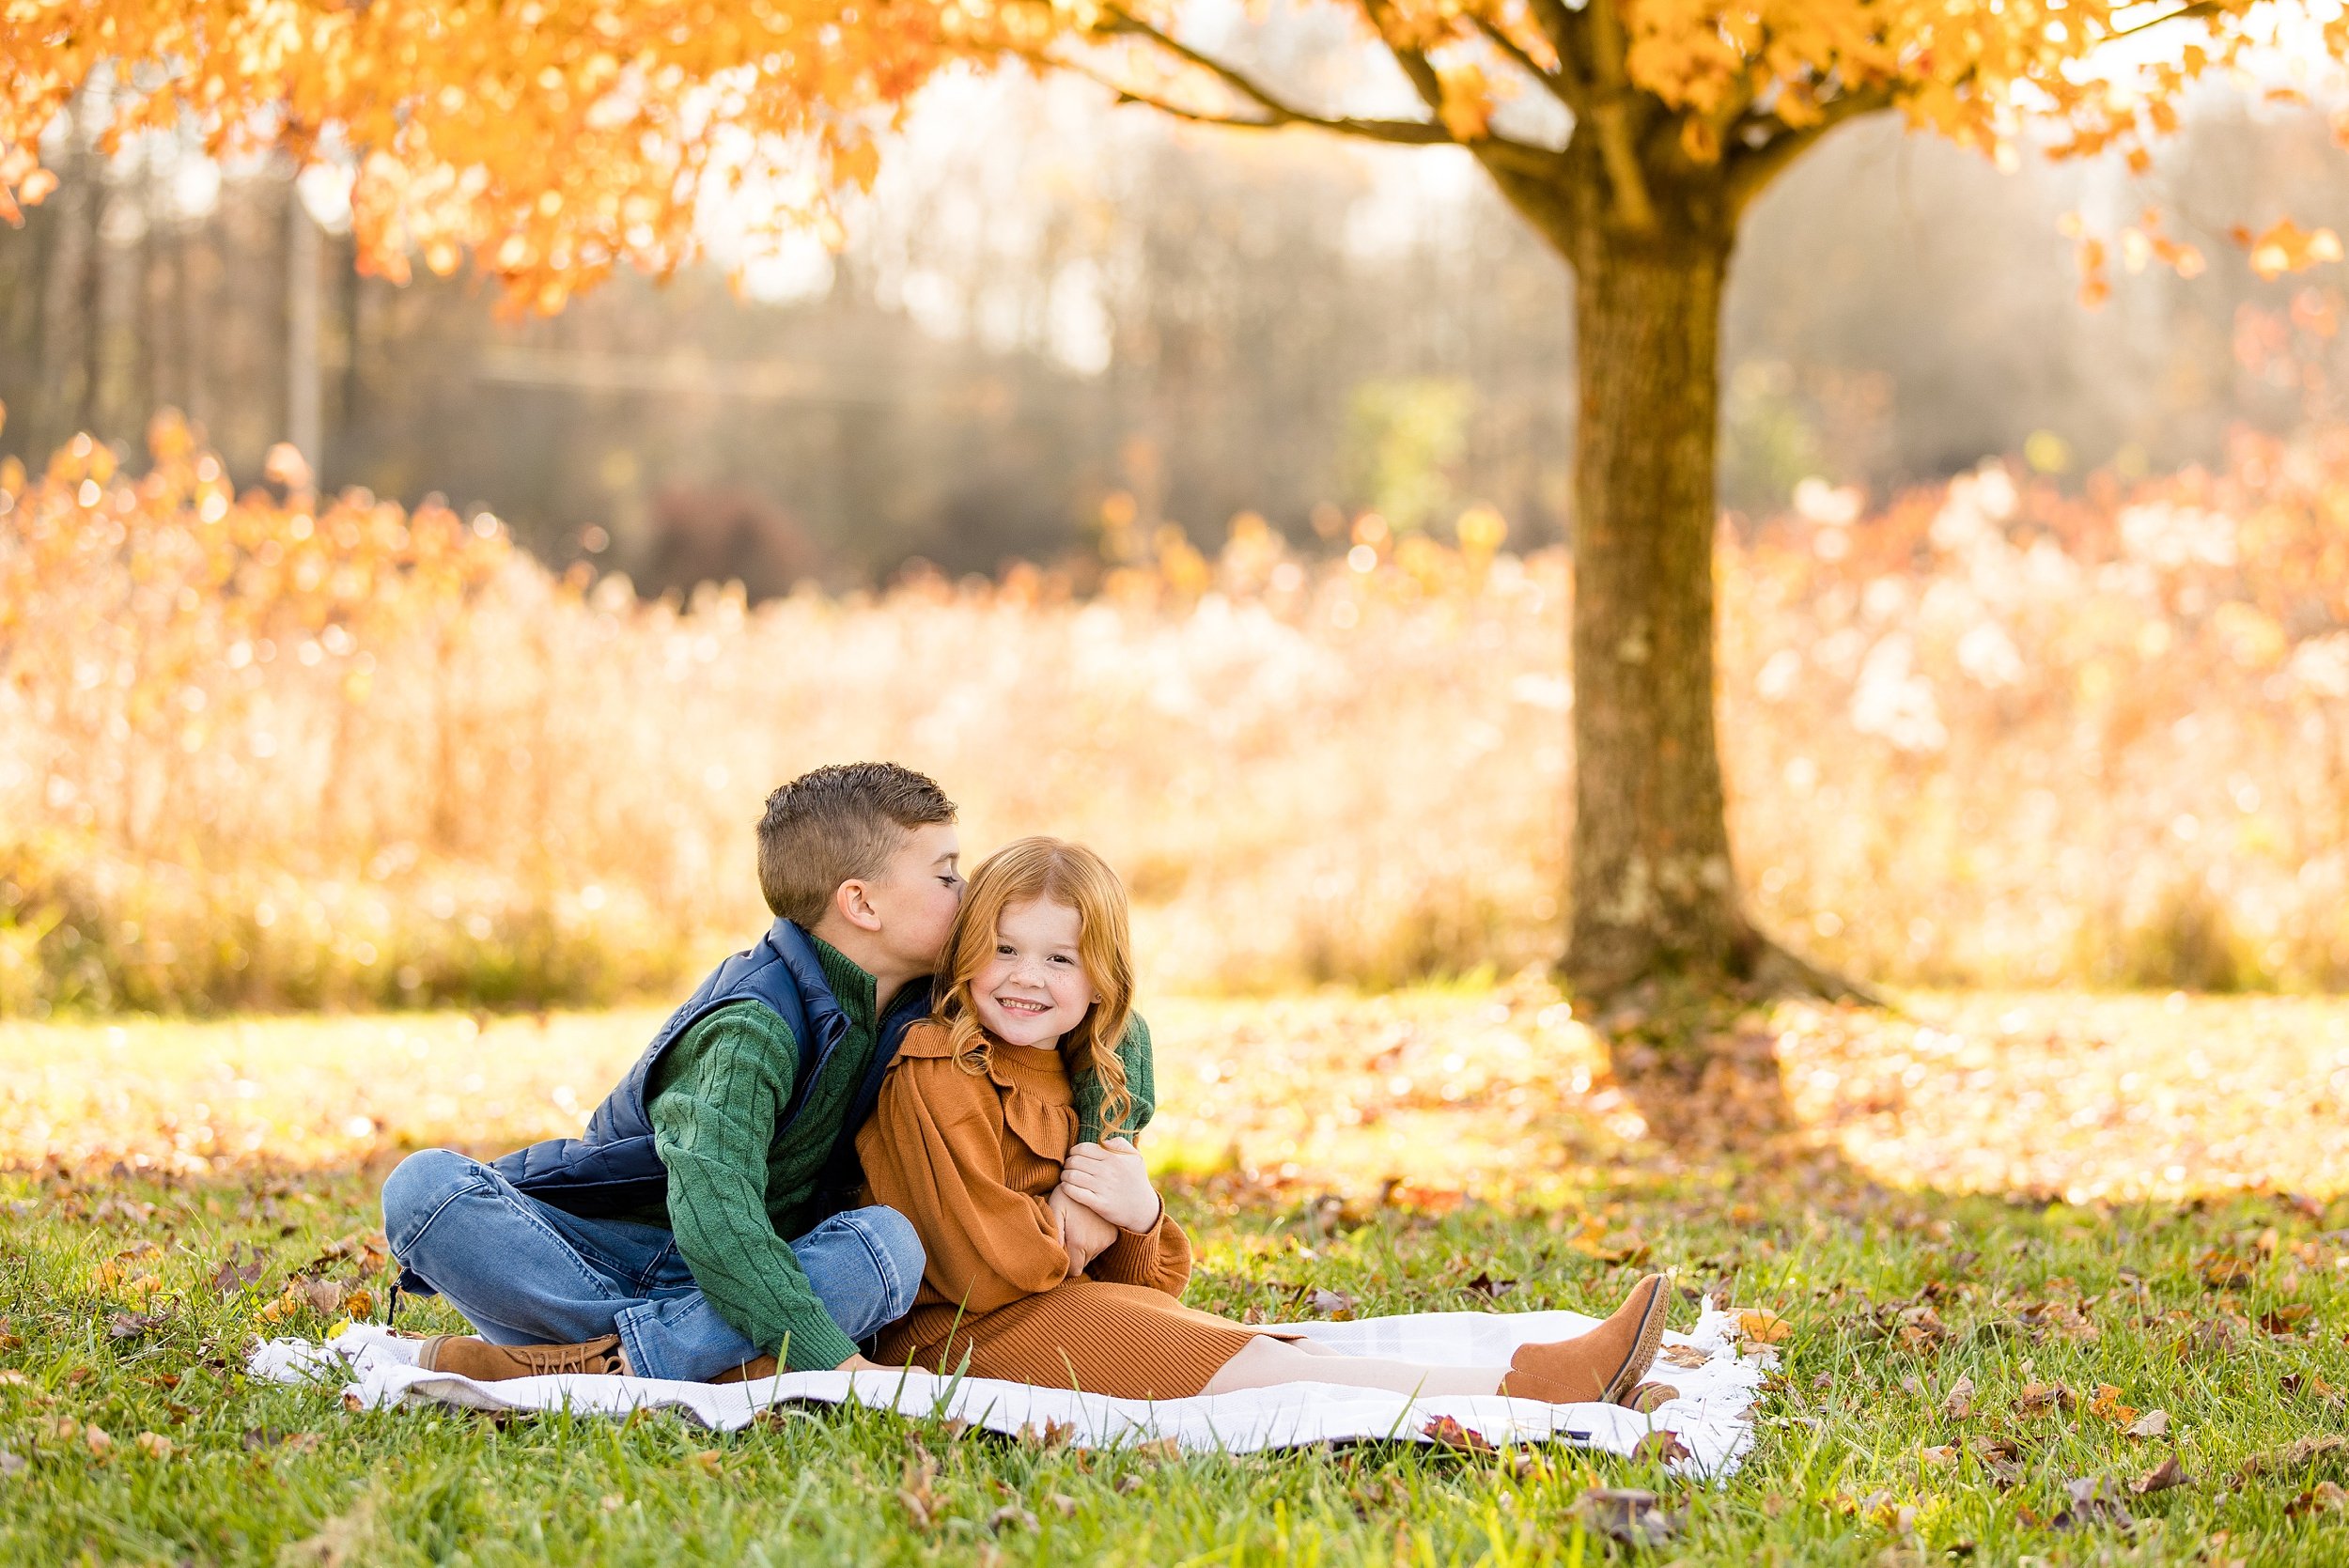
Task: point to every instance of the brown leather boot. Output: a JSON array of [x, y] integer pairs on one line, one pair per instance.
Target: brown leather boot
[[484, 1362], [749, 1372], [1602, 1365]]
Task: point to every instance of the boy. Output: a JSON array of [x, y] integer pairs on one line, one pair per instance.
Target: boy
[[698, 1231]]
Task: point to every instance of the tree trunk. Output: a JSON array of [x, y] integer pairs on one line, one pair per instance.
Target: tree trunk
[[1652, 888]]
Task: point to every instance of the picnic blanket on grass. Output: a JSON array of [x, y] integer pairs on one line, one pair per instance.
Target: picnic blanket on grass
[[1712, 1417]]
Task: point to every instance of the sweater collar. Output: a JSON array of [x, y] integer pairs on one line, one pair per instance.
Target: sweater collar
[[851, 986]]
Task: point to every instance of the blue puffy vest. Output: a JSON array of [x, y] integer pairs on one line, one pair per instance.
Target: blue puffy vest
[[615, 1169]]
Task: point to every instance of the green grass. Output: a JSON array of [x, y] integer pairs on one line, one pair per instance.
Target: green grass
[[269, 1474]]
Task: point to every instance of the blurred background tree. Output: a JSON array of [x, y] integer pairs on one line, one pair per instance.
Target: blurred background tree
[[1639, 138]]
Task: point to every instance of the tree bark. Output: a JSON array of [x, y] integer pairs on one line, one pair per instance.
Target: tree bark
[[1652, 888]]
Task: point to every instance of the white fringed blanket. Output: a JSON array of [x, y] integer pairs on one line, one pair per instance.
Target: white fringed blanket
[[1712, 1417]]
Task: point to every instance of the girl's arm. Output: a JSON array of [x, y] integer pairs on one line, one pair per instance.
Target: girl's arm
[[933, 1152]]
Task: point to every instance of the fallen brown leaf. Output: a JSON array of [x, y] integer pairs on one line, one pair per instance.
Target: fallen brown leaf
[[916, 1491], [2037, 1399], [2223, 1270], [2285, 1321], [1048, 1435], [2325, 1498], [232, 1276], [2152, 1423], [324, 1296], [2212, 1337], [2094, 1500], [1686, 1355], [1490, 1288], [1445, 1432], [1634, 1517], [1998, 1457], [1959, 1402], [2161, 1478], [135, 1325], [1919, 1329], [1662, 1446], [2295, 1455], [1596, 1239], [1764, 1328], [368, 1249]]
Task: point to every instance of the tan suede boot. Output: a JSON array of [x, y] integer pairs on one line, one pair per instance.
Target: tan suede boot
[[484, 1362], [749, 1372], [1602, 1365], [1649, 1397]]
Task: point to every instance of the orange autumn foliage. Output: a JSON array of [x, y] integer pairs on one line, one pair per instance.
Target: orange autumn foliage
[[549, 141], [554, 142]]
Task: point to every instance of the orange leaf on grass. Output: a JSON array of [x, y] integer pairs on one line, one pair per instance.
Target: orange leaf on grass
[[2107, 1405]]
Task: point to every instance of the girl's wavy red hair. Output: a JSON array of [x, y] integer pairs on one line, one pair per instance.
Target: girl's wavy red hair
[[1064, 873]]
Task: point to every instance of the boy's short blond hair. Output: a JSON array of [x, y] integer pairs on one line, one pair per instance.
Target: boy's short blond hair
[[839, 824]]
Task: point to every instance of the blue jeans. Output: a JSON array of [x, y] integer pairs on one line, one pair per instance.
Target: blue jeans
[[526, 1273]]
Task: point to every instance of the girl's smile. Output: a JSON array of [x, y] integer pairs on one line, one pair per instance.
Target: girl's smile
[[1034, 989]]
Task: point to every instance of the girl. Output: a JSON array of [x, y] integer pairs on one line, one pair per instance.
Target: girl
[[1052, 1261]]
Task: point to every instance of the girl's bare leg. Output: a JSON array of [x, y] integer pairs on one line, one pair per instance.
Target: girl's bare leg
[[1265, 1362], [1606, 1363]]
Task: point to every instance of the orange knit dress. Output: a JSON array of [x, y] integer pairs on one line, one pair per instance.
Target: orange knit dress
[[970, 1159]]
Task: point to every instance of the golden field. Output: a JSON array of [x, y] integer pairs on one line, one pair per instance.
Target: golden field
[[273, 749]]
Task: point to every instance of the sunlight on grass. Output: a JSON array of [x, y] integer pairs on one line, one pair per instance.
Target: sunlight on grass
[[2084, 1097]]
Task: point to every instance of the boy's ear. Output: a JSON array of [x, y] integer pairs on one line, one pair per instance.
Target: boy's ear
[[854, 907]]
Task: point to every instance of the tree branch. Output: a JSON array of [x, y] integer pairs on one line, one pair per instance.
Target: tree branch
[[1504, 154], [1612, 116], [1751, 169], [1417, 69], [1408, 132], [1568, 31], [2200, 8], [1559, 85], [1277, 111]]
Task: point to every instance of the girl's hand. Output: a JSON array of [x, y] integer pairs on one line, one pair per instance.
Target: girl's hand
[[1083, 1234], [1109, 1179]]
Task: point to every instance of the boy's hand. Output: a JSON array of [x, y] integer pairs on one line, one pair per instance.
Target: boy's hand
[[1084, 1233], [1109, 1179], [857, 1363]]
